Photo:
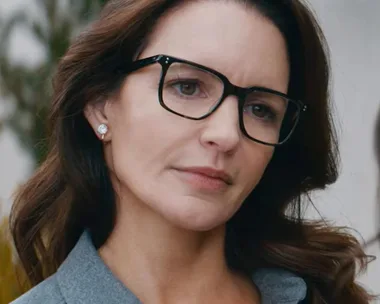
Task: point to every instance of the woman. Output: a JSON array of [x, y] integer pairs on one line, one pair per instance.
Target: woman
[[184, 134]]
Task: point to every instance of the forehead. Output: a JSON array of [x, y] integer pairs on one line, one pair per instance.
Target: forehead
[[229, 37]]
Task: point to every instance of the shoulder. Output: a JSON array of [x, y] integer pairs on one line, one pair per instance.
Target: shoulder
[[47, 292], [279, 286]]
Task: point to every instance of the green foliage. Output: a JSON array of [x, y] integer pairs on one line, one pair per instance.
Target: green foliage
[[27, 90], [28, 86]]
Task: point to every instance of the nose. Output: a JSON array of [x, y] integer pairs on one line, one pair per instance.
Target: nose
[[222, 131]]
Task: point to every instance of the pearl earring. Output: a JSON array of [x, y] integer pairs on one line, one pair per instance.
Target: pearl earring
[[102, 130]]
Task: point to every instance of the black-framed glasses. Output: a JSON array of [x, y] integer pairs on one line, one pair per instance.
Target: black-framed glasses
[[194, 91]]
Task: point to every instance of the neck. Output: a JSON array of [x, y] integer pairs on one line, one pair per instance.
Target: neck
[[161, 263]]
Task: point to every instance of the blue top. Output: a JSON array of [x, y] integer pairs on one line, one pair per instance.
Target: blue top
[[83, 278]]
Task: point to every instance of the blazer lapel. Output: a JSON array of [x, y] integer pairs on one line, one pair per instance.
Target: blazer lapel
[[84, 278]]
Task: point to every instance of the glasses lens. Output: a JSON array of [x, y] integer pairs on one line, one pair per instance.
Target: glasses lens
[[268, 117], [190, 91]]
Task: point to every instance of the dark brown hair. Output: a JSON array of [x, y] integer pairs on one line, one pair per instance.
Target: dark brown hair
[[71, 191]]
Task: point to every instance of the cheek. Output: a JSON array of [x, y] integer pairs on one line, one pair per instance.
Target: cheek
[[256, 162], [131, 126], [144, 135]]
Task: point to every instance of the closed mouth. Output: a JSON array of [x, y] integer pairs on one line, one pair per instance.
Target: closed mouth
[[209, 172]]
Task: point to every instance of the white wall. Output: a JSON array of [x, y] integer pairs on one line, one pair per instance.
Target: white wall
[[352, 28]]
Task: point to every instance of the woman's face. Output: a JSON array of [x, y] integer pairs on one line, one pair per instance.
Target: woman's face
[[151, 151]]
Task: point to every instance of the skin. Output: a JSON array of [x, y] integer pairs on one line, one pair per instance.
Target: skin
[[168, 242]]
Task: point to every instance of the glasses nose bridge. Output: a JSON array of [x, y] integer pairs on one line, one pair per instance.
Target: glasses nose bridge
[[234, 90]]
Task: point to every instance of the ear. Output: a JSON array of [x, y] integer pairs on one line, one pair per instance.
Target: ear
[[96, 114]]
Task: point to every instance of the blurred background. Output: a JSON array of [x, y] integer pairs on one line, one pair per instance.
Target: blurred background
[[35, 33]]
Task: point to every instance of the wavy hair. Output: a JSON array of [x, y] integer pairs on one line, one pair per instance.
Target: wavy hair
[[72, 191]]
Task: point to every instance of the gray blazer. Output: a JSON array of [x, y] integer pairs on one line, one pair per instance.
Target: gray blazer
[[83, 278]]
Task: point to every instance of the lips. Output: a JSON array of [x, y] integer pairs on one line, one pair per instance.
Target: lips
[[210, 173]]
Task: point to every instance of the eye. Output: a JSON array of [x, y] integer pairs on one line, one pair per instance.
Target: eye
[[187, 87], [260, 111]]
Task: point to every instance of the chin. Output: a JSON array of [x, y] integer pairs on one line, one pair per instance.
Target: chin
[[198, 216]]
